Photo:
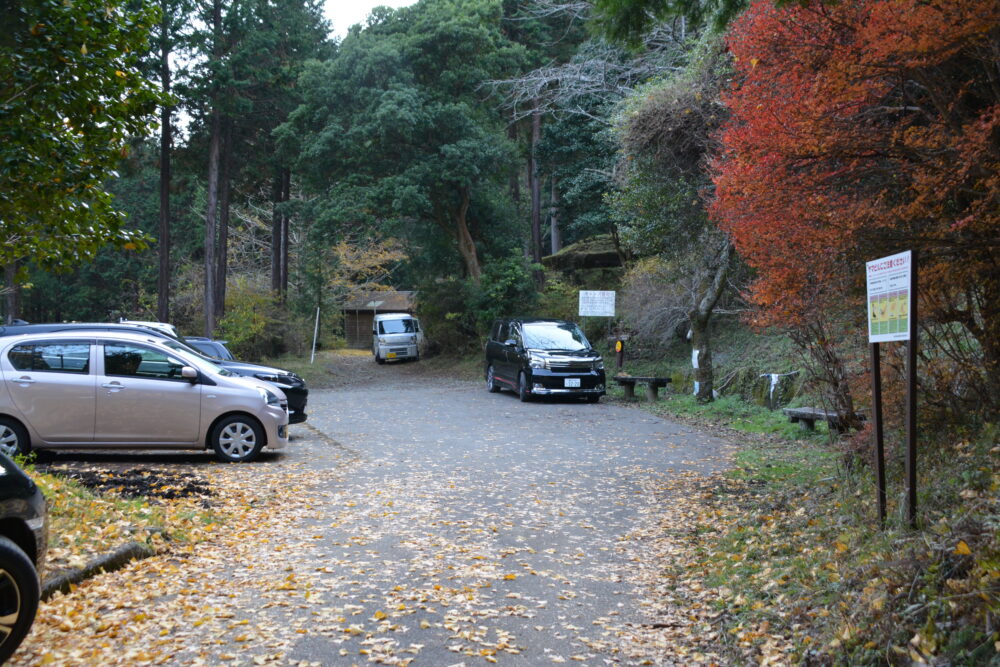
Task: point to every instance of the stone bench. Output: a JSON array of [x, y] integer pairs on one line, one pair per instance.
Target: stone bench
[[653, 385], [807, 418]]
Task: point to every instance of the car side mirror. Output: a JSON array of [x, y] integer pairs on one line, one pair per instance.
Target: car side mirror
[[510, 342], [189, 373]]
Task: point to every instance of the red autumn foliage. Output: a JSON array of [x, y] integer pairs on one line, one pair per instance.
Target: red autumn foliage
[[860, 129]]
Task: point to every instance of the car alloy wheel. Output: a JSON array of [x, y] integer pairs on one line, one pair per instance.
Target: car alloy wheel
[[19, 593], [13, 438], [491, 381], [237, 438]]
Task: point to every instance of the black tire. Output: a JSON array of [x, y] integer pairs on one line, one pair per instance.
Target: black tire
[[13, 437], [378, 359], [593, 398], [19, 593], [491, 381], [237, 439], [522, 388]]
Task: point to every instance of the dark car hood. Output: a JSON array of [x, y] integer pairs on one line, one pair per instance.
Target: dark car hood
[[244, 368]]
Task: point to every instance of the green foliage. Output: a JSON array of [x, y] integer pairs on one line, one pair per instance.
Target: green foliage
[[257, 325], [579, 151], [558, 299], [506, 290], [71, 98], [392, 133], [739, 414], [630, 20], [456, 313], [449, 324]]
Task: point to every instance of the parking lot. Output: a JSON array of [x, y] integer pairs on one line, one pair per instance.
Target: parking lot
[[411, 518]]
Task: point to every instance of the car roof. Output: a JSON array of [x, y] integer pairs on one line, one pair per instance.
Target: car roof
[[90, 334], [17, 329], [538, 320], [393, 316]]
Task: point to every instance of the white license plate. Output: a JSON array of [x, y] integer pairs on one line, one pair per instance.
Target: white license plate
[[572, 382], [390, 355]]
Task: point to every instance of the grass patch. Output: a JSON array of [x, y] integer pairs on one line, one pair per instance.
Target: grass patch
[[731, 411]]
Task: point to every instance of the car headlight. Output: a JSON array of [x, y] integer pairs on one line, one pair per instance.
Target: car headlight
[[599, 365], [269, 397], [536, 361]]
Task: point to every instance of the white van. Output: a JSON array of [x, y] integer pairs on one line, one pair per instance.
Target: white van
[[396, 336]]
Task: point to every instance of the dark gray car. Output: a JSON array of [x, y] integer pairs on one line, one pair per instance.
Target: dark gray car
[[542, 357], [23, 542]]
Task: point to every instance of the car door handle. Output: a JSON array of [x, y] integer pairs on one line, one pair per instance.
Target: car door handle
[[113, 385], [25, 380]]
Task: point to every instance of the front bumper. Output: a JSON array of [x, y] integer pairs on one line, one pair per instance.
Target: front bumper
[[546, 391], [391, 352], [543, 382], [297, 399], [275, 422]]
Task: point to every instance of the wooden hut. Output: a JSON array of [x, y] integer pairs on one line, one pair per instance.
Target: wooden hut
[[360, 312]]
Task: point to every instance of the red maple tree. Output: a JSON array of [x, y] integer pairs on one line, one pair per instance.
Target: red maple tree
[[860, 129]]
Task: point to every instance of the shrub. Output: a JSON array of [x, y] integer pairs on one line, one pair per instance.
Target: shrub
[[456, 312], [257, 325]]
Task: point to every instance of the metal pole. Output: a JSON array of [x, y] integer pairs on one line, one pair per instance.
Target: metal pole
[[315, 336], [911, 401], [877, 424]]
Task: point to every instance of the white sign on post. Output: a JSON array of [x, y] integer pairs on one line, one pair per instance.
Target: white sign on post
[[597, 304], [889, 298]]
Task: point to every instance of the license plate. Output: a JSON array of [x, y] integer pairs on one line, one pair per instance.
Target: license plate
[[390, 355], [572, 382]]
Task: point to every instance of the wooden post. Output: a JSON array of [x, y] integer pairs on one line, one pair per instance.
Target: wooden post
[[911, 401], [877, 427]]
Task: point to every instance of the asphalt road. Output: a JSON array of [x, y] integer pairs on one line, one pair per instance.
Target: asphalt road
[[470, 526], [411, 518]]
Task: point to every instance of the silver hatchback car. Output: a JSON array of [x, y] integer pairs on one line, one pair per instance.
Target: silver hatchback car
[[74, 390]]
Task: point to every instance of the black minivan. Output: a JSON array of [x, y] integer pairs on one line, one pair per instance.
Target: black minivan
[[542, 357]]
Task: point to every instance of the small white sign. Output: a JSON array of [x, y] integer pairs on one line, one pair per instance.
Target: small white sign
[[889, 298], [597, 304]]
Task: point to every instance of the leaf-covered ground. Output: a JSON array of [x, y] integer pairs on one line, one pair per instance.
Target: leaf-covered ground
[[436, 525]]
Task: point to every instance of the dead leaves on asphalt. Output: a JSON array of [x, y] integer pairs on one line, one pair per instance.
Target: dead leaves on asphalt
[[292, 566]]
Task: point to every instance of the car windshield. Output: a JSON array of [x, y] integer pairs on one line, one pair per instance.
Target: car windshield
[[553, 336], [204, 361], [396, 326]]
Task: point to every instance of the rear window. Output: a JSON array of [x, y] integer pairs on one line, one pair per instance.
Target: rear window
[[58, 357]]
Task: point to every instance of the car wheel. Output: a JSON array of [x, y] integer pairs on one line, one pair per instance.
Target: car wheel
[[13, 438], [19, 593], [522, 388], [491, 381], [378, 359], [237, 439], [593, 398]]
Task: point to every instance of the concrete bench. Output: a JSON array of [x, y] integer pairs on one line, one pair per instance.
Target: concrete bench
[[653, 385], [807, 418]]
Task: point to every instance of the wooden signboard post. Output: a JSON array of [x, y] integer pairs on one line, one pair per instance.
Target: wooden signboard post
[[892, 316]]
